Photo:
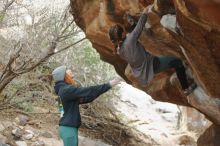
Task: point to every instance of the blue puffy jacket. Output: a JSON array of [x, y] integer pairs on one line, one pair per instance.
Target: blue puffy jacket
[[72, 96]]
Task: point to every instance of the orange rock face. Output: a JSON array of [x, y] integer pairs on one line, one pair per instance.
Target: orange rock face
[[187, 29], [210, 137]]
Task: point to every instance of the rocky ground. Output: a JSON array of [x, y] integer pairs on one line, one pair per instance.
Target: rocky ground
[[155, 123], [39, 129], [19, 129]]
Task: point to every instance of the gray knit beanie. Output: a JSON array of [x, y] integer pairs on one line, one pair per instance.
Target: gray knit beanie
[[59, 73]]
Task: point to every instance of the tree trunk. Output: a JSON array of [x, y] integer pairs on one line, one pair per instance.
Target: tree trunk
[[6, 80]]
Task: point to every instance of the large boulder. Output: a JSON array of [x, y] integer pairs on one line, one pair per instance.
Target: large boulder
[[210, 137], [187, 29]]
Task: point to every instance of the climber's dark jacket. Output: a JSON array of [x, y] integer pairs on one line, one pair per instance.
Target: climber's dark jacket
[[72, 96]]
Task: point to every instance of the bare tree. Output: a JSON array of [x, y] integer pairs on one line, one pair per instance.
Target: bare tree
[[46, 36], [6, 6]]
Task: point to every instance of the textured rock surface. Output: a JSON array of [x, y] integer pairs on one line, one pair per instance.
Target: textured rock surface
[[3, 139], [210, 137], [192, 120], [187, 29]]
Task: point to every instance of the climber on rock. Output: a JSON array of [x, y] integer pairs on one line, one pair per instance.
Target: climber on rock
[[70, 97], [143, 64]]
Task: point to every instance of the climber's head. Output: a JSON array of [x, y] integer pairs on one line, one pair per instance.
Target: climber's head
[[117, 35]]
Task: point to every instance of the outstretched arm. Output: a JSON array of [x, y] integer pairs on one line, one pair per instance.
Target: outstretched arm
[[101, 89], [135, 34], [86, 94], [96, 91]]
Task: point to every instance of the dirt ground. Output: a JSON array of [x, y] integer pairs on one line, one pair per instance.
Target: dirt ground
[[39, 121]]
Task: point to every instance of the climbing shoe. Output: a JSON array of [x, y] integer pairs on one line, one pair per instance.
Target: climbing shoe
[[190, 89]]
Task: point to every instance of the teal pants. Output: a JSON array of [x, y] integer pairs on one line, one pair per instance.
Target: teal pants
[[69, 135]]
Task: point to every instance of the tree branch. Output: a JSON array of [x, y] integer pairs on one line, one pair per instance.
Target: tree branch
[[63, 31], [7, 5], [67, 47], [11, 60], [47, 56]]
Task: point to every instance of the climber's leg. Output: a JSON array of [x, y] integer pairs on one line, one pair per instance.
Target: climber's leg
[[167, 62], [180, 72], [163, 63]]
